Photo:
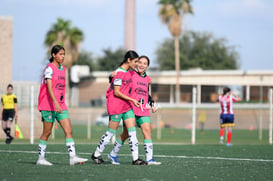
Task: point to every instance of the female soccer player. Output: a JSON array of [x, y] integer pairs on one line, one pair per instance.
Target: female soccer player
[[119, 107], [140, 92], [52, 106], [226, 116], [8, 112]]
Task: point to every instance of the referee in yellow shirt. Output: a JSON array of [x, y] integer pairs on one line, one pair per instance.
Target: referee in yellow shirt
[[8, 112]]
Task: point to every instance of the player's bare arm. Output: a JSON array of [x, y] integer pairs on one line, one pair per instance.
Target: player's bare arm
[[237, 97], [1, 112], [117, 93], [16, 113]]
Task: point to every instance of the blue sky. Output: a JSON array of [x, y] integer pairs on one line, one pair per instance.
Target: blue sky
[[246, 24]]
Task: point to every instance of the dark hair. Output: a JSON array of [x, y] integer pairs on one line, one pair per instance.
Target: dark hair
[[131, 54], [144, 56], [10, 86], [226, 90], [55, 49]]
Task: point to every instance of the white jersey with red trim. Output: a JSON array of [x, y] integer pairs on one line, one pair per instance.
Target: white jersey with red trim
[[226, 102]]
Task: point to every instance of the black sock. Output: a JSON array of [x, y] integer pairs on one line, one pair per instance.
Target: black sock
[[7, 131]]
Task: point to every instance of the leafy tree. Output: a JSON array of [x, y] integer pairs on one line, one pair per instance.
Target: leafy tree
[[171, 13], [111, 59], [199, 50], [86, 58]]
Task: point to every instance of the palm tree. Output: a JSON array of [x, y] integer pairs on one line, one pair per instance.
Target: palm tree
[[76, 36], [171, 13], [70, 37], [62, 33]]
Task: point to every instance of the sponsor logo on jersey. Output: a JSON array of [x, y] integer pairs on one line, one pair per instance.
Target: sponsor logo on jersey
[[125, 82], [142, 83], [61, 77], [141, 91], [60, 86]]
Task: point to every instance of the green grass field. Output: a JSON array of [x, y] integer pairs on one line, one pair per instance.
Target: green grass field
[[247, 159], [168, 135]]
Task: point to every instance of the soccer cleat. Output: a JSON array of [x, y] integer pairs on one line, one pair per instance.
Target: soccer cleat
[[9, 140], [221, 142], [113, 159], [77, 160], [43, 161], [139, 162], [97, 160], [153, 162], [228, 144]]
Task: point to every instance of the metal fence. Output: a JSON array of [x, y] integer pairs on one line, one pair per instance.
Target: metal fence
[[248, 115]]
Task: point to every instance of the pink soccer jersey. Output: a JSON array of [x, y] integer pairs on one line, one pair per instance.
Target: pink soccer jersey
[[226, 103], [140, 92], [116, 105], [57, 76]]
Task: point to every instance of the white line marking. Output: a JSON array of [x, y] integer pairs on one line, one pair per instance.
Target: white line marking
[[157, 156]]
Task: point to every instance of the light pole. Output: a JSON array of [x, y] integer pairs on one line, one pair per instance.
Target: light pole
[[130, 25]]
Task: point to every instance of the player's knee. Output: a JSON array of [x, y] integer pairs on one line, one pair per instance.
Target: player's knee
[[147, 135], [146, 130], [123, 136], [68, 132], [46, 133]]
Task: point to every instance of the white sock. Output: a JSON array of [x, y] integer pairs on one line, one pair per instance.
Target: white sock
[[133, 142], [42, 149], [104, 141], [117, 146], [70, 144], [148, 146]]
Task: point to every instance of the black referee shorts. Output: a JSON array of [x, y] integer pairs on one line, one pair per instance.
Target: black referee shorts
[[8, 114]]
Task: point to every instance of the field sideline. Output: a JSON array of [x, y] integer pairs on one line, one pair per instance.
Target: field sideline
[[179, 162]]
